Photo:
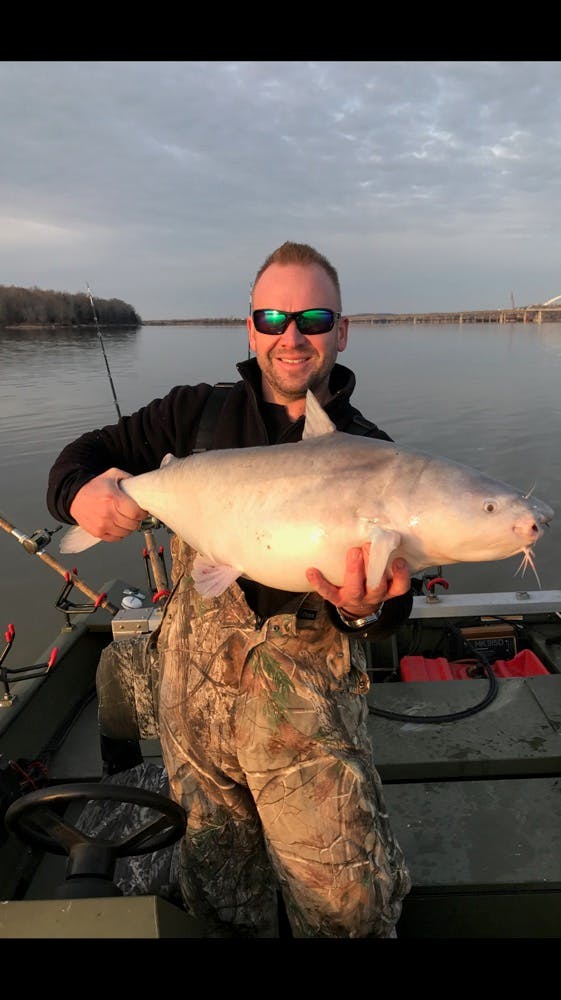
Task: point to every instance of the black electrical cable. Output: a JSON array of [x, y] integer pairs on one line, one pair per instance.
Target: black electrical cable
[[454, 716]]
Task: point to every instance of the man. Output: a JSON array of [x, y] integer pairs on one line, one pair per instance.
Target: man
[[262, 714]]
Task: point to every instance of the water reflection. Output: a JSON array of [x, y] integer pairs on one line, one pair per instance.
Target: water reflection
[[60, 343]]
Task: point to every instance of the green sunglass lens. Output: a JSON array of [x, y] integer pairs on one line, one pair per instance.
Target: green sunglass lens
[[316, 321], [272, 320]]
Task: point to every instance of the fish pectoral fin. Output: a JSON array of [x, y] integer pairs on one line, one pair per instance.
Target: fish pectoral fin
[[383, 543], [212, 579], [77, 539]]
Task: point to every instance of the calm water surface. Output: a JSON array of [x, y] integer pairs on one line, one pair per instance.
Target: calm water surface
[[485, 395]]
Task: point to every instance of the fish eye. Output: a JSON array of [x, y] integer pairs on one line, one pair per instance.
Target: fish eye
[[490, 506]]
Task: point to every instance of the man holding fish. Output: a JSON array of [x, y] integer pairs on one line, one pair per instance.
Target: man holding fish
[[262, 713]]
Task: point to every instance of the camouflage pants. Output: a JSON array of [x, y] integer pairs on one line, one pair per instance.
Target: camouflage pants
[[264, 740]]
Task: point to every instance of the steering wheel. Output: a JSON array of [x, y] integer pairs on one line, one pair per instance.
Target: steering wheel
[[34, 819]]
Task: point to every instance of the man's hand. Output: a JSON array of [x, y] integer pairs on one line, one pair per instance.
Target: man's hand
[[354, 597], [104, 510]]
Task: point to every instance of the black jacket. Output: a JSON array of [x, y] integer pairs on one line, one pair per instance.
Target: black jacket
[[137, 443]]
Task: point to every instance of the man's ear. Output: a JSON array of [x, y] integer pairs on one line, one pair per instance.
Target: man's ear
[[250, 333], [342, 333]]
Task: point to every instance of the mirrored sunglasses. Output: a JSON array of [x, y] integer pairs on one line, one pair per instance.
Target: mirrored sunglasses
[[308, 321]]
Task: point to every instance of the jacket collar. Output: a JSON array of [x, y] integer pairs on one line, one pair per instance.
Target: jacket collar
[[342, 383]]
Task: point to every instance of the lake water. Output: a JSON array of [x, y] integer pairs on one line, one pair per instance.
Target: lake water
[[482, 394]]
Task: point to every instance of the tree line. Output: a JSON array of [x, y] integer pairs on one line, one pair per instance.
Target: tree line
[[39, 307]]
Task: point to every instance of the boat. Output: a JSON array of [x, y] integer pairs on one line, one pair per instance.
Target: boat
[[465, 720]]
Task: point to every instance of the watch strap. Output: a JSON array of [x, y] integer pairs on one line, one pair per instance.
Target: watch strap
[[360, 623]]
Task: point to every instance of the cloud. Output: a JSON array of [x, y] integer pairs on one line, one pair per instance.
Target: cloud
[[430, 185]]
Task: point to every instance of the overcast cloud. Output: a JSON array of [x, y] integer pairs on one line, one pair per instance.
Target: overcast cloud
[[429, 185]]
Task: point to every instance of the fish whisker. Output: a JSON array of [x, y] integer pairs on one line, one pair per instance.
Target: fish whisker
[[528, 560]]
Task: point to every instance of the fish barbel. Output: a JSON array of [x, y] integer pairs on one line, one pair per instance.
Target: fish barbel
[[268, 513]]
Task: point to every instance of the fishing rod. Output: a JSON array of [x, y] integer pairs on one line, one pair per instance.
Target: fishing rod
[[161, 583], [34, 545], [100, 338]]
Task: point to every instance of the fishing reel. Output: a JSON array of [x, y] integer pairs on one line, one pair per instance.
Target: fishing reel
[[38, 540], [150, 523]]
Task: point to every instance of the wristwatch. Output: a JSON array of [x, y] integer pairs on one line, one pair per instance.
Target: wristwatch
[[359, 623]]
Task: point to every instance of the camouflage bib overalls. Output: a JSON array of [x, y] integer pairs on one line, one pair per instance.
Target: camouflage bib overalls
[[263, 733]]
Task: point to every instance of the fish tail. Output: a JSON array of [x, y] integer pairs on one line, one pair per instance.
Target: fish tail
[[76, 539]]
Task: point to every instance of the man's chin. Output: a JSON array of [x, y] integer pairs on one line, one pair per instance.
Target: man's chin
[[293, 385]]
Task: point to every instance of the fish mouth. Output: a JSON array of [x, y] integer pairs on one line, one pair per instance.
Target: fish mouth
[[530, 527], [530, 532]]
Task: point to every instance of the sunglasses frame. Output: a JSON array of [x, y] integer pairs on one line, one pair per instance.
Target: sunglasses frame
[[289, 316]]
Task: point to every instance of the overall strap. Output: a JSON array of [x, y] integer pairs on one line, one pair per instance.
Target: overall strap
[[360, 425], [209, 416]]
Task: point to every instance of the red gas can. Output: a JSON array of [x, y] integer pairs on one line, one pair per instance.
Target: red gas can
[[421, 668]]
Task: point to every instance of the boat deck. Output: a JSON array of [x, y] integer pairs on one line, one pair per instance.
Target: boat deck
[[475, 803]]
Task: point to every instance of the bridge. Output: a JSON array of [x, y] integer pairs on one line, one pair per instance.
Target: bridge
[[541, 313]]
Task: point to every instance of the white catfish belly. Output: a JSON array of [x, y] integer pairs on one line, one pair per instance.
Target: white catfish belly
[[269, 512]]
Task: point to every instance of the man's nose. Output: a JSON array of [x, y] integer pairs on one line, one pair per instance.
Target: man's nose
[[292, 334]]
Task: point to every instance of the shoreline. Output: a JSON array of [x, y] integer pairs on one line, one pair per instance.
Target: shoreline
[[523, 314]]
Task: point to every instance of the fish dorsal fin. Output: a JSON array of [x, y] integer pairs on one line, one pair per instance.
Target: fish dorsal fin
[[317, 422], [167, 460]]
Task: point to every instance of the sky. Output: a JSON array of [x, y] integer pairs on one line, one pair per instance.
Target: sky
[[430, 185]]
